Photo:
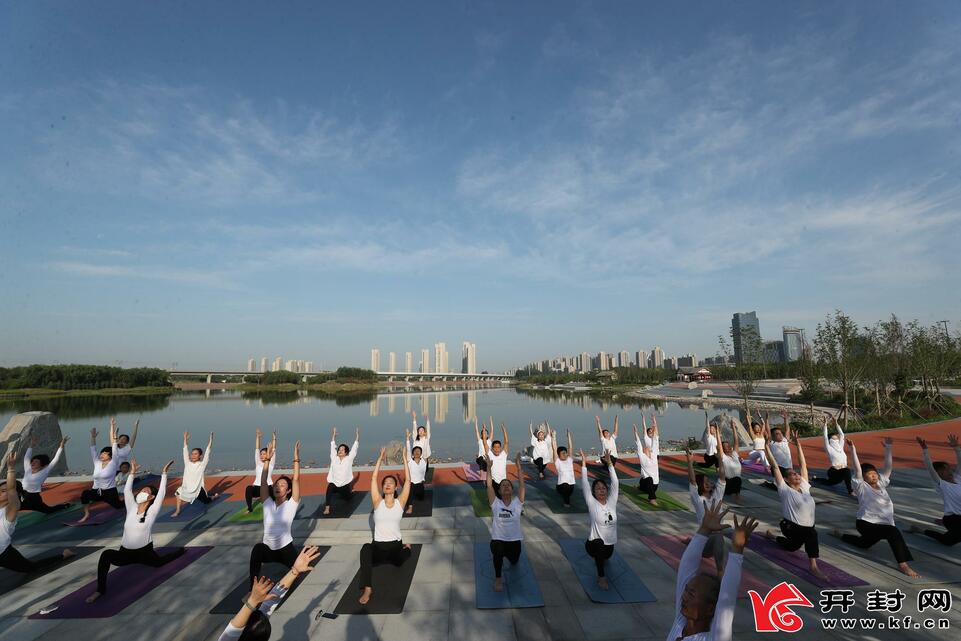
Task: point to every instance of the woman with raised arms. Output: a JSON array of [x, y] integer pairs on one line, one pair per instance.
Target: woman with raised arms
[[506, 534], [277, 546], [648, 449], [340, 476], [602, 506]]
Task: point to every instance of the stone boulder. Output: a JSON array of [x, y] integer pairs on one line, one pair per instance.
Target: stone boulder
[[17, 434]]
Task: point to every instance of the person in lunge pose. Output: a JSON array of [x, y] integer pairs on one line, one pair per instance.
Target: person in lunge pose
[[280, 509], [731, 466], [422, 436], [340, 476], [387, 546], [564, 464], [484, 441], [648, 449], [497, 456], [125, 443], [104, 476], [703, 603], [542, 448], [10, 558], [137, 543], [252, 491], [506, 535], [875, 520], [417, 469], [712, 435], [758, 451], [602, 505], [608, 440], [834, 447], [797, 511], [36, 469], [948, 484], [192, 484], [703, 492]]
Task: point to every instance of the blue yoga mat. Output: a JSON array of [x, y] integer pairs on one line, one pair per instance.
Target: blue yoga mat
[[520, 583], [625, 586], [189, 512]]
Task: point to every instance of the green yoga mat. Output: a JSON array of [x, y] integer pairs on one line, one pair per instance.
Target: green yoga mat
[[698, 467], [478, 499], [242, 516], [555, 503], [26, 519], [665, 502]]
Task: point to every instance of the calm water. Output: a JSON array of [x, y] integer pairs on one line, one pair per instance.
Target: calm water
[[234, 417]]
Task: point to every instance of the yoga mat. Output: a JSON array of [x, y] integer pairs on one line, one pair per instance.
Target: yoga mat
[[665, 502], [670, 548], [520, 583], [423, 507], [548, 493], [699, 468], [125, 585], [625, 586], [473, 473], [797, 564], [601, 472], [769, 486], [391, 585], [839, 489], [879, 558], [98, 517], [27, 519], [429, 477], [190, 512], [451, 495], [755, 467], [478, 499], [242, 516], [10, 580], [275, 572], [338, 509]]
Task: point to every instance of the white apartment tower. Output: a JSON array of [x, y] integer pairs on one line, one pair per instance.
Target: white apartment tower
[[408, 362], [375, 359], [424, 361], [391, 362], [263, 364], [251, 365], [278, 362], [441, 363], [469, 358]]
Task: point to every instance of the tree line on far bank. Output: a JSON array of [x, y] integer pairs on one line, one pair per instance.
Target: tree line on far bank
[[81, 377]]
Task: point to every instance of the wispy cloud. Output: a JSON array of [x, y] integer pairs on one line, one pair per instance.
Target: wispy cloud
[[158, 272]]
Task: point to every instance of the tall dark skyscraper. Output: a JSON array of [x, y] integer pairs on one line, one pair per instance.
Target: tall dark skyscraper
[[746, 335]]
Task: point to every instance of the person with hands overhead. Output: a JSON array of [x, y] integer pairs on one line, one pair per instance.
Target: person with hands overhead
[[705, 493], [484, 443], [506, 534], [731, 466], [387, 545], [711, 438], [36, 469], [564, 464], [947, 481], [422, 436], [125, 443], [252, 620], [340, 476], [542, 448], [136, 546], [834, 448], [104, 476], [704, 604], [192, 484], [608, 440], [496, 456], [648, 449], [602, 506], [280, 509], [417, 471], [252, 491]]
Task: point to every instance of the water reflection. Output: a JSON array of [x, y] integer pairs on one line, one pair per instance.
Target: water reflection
[[75, 407]]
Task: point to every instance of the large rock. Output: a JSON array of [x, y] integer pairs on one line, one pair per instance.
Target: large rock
[[17, 433]]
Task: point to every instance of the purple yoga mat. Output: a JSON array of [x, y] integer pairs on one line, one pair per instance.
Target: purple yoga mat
[[797, 563], [190, 511], [754, 467], [125, 585], [474, 473], [98, 517]]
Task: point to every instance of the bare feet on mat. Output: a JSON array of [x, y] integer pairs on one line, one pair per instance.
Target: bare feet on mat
[[410, 508], [365, 595], [93, 597], [174, 515], [905, 568], [498, 584], [213, 497], [602, 583], [68, 554], [770, 535], [816, 571], [653, 502], [327, 513], [407, 546]]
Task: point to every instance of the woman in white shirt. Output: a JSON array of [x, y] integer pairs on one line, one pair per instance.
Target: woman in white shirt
[[125, 443], [564, 464], [778, 445], [834, 448], [340, 476], [875, 520], [252, 491], [797, 511], [608, 440], [648, 449], [10, 558], [104, 476], [36, 469], [704, 605], [506, 534], [277, 546], [484, 441], [417, 469], [422, 436], [710, 439], [731, 466], [948, 484], [541, 449], [192, 484], [758, 452], [706, 494], [497, 456], [387, 545], [602, 506], [137, 543]]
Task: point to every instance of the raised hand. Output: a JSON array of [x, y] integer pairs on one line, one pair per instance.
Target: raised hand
[[713, 519], [167, 467], [383, 454], [134, 467], [271, 449], [260, 590], [606, 459], [333, 435], [921, 442], [186, 437], [742, 533], [953, 440], [258, 433], [305, 558], [297, 451], [407, 432], [94, 433], [688, 452], [794, 438], [850, 444], [888, 441], [12, 459], [357, 434], [583, 458], [64, 440]]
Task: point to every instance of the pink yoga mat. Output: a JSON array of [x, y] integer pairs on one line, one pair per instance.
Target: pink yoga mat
[[125, 585], [474, 473], [671, 547], [98, 517], [754, 467], [797, 564]]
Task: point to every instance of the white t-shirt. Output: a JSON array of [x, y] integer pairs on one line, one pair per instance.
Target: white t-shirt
[[565, 471], [782, 453], [480, 446], [498, 469], [193, 478], [277, 523], [797, 506], [259, 469], [874, 505], [649, 467], [137, 534], [951, 493], [506, 520], [835, 452], [697, 501], [33, 481], [424, 445], [6, 531], [723, 622], [387, 521], [341, 471], [104, 474], [759, 443], [609, 446], [542, 449], [418, 470], [603, 517], [731, 464], [711, 445], [123, 454]]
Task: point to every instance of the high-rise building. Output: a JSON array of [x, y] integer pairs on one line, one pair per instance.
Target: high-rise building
[[278, 362], [640, 358], [690, 360], [424, 361], [469, 358], [251, 365], [585, 364], [290, 366], [408, 362], [309, 367], [375, 359], [602, 361], [375, 406], [774, 351], [391, 362], [656, 359], [441, 363], [793, 343], [746, 335], [263, 364], [623, 359], [670, 363]]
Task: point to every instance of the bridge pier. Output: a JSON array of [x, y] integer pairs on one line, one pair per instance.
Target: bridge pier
[[210, 379]]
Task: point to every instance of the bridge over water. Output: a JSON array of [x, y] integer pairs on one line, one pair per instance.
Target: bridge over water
[[211, 374]]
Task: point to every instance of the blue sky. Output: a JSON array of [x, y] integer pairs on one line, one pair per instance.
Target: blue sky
[[203, 182]]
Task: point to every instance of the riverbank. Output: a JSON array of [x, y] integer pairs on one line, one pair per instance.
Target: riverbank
[[40, 393]]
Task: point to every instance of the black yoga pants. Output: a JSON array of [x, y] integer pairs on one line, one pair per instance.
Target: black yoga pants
[[599, 552], [871, 533], [261, 553], [501, 549], [797, 535], [143, 556], [379, 553]]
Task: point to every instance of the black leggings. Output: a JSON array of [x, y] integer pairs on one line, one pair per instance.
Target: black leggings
[[416, 493], [253, 492], [600, 552], [797, 535], [733, 486], [565, 490], [710, 460], [13, 560], [203, 497], [261, 553], [378, 553], [501, 549], [953, 535], [836, 475], [871, 533], [648, 485], [109, 496], [481, 463], [33, 501], [142, 556], [343, 492], [539, 462]]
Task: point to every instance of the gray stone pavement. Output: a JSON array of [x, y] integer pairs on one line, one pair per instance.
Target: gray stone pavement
[[440, 604]]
